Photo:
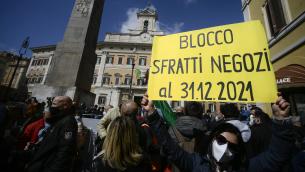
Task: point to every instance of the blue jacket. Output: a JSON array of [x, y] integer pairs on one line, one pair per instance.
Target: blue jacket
[[271, 160]]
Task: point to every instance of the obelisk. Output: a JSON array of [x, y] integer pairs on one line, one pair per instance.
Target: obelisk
[[72, 67]]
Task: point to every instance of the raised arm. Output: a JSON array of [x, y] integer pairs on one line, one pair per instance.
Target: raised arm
[[184, 160], [282, 142]]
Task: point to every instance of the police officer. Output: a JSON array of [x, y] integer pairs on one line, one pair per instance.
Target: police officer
[[57, 150]]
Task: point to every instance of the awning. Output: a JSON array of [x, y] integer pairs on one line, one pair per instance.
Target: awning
[[290, 76]]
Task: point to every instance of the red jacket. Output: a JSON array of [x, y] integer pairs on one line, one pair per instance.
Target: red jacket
[[31, 131]]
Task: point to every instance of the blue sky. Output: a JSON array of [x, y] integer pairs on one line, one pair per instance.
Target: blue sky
[[45, 21]]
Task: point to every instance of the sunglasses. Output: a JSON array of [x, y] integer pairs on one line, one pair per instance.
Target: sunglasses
[[221, 140]]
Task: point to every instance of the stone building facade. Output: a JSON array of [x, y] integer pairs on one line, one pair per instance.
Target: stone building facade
[[8, 62], [122, 60]]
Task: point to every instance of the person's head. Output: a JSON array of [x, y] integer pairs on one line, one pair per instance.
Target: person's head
[[121, 148], [62, 102], [193, 109], [259, 116], [229, 110], [61, 105], [129, 108], [227, 150]]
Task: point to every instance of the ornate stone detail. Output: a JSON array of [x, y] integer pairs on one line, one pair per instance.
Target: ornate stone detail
[[83, 7]]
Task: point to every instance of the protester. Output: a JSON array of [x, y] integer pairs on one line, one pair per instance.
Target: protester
[[105, 121], [189, 129], [226, 148], [261, 132], [229, 111], [35, 131], [58, 148], [121, 151], [189, 125]]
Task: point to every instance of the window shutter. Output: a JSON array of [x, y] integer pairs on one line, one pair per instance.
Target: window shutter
[[276, 15]]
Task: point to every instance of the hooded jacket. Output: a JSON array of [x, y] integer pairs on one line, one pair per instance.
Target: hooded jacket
[[270, 160], [186, 125]]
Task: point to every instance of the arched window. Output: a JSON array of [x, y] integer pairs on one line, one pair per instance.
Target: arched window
[[117, 78], [127, 80], [145, 26]]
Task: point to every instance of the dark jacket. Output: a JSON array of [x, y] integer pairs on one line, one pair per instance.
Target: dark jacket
[[191, 127], [270, 160], [260, 139], [57, 150], [186, 125]]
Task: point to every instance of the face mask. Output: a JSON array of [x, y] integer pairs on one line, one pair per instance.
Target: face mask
[[56, 114], [218, 150], [55, 111], [221, 150]]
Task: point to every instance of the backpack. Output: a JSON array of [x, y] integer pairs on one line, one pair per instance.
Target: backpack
[[185, 143]]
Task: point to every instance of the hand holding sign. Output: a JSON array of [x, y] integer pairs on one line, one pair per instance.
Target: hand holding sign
[[229, 63]]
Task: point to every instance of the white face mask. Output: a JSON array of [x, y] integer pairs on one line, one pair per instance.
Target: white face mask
[[251, 122], [222, 153], [218, 150]]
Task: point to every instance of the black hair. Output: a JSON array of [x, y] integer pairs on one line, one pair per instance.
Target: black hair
[[258, 112], [193, 109], [229, 110]]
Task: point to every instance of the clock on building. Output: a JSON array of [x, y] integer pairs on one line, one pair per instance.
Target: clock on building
[[145, 37]]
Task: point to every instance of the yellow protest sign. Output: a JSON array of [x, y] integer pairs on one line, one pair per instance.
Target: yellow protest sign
[[229, 63]]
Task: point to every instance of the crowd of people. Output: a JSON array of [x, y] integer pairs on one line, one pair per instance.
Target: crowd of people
[[43, 137]]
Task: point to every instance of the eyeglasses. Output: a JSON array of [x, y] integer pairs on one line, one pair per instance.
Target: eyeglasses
[[221, 140]]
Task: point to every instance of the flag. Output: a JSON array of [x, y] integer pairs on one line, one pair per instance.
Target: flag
[[168, 115]]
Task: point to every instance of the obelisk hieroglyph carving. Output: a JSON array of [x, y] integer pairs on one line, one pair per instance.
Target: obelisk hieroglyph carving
[[72, 67]]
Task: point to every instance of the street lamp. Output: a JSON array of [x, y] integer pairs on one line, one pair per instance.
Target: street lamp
[[130, 84], [22, 51], [110, 94]]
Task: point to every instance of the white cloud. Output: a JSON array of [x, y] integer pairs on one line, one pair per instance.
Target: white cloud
[[170, 29], [131, 21], [190, 1], [13, 50]]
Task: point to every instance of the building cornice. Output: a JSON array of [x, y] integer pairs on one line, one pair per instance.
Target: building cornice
[[104, 43], [287, 29], [45, 47]]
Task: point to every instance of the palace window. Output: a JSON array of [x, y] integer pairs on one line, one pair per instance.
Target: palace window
[[120, 60], [130, 60], [175, 104], [140, 81], [274, 14], [106, 80], [109, 59], [102, 99], [45, 61], [145, 26], [94, 80], [98, 60], [142, 61], [39, 79], [127, 80]]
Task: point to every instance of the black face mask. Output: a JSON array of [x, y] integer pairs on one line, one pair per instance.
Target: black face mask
[[55, 111], [56, 114]]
